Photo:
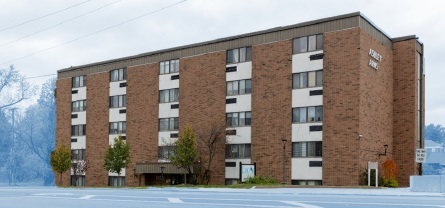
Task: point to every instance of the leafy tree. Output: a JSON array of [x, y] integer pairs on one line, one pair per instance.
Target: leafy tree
[[211, 142], [185, 151], [435, 133], [117, 156], [60, 160]]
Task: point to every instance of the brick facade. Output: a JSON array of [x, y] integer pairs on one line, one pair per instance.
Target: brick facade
[[97, 129], [202, 98], [341, 113], [271, 108], [379, 104], [142, 117], [405, 109], [63, 127]]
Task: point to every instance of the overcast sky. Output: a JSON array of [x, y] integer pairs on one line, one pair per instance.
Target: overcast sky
[[195, 21]]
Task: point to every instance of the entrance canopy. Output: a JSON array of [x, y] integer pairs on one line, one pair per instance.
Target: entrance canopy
[[142, 168]]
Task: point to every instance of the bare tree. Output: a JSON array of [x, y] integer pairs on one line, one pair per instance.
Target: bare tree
[[211, 142], [79, 168], [13, 88]]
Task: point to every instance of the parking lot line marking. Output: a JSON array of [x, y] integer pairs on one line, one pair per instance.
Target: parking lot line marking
[[301, 204], [175, 200], [87, 197]]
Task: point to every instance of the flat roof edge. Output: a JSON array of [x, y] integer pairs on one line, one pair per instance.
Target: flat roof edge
[[403, 38], [275, 29]]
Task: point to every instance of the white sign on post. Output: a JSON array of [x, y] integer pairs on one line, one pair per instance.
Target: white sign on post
[[373, 165], [420, 155]]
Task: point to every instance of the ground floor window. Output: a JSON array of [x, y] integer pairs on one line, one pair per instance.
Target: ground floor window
[[77, 180], [231, 181], [307, 182], [116, 180]]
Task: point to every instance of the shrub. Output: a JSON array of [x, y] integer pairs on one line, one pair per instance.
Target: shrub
[[261, 180], [390, 182]]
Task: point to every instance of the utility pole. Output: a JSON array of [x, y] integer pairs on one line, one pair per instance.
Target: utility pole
[[11, 150]]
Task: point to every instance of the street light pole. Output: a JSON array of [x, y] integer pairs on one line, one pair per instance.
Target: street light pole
[[284, 140]]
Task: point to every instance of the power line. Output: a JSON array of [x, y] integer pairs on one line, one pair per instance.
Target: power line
[[60, 23], [81, 37], [41, 17], [46, 75]]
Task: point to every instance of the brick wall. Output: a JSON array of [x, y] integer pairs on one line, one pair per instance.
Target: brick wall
[[97, 128], [202, 87], [142, 117], [376, 104], [63, 126], [405, 106], [341, 99], [271, 108]]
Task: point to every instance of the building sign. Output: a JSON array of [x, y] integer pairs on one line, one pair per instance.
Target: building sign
[[375, 59], [420, 155], [247, 171]]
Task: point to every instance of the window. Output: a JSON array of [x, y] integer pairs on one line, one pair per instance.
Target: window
[[118, 101], [306, 149], [307, 79], [239, 87], [116, 180], [307, 114], [77, 180], [239, 119], [118, 127], [80, 81], [307, 182], [118, 75], [236, 151], [170, 95], [78, 154], [78, 130], [167, 67], [308, 43], [164, 152], [79, 105], [239, 55], [169, 124]]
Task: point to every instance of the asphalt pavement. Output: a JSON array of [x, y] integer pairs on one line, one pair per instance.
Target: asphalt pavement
[[53, 197]]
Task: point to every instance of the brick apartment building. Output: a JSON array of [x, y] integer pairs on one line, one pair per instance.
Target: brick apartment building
[[339, 90]]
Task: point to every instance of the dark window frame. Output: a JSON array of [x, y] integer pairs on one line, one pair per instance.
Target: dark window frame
[[82, 81], [121, 127], [231, 153], [169, 95], [319, 43], [118, 97], [296, 84], [120, 71], [79, 108], [247, 120], [169, 63], [307, 120], [175, 126], [298, 149], [247, 55]]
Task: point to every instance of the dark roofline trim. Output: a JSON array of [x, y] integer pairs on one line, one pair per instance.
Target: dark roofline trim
[[178, 49], [276, 29]]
